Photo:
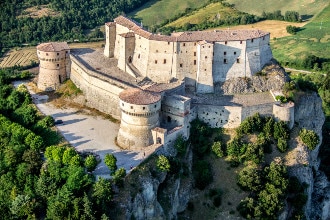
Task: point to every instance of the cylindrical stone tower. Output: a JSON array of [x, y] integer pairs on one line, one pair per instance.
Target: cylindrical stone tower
[[54, 68], [284, 112], [139, 114]]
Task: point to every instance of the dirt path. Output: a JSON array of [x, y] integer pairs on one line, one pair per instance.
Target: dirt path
[[89, 133]]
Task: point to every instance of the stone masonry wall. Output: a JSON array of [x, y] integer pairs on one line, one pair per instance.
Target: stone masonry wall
[[100, 94]]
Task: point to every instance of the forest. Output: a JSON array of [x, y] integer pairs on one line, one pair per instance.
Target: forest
[[75, 17]]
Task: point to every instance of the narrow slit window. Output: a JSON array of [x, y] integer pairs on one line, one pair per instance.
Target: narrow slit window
[[164, 61], [155, 61], [225, 53], [238, 61], [181, 65], [224, 60], [194, 62], [194, 53]]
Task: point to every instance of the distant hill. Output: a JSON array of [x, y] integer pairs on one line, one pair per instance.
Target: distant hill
[[304, 7]]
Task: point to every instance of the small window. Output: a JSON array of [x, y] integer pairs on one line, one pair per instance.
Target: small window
[[195, 44], [139, 56], [240, 42], [156, 51], [237, 61], [209, 46], [58, 65], [155, 106], [181, 65], [204, 69], [58, 54], [184, 44], [225, 42], [194, 53], [205, 57], [168, 43], [263, 38], [46, 54], [203, 46], [251, 40], [234, 53], [131, 107], [225, 53], [164, 61], [155, 61], [194, 62], [66, 51], [224, 60], [144, 108]]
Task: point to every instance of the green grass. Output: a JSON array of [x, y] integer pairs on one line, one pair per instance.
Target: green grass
[[314, 38], [208, 13], [155, 12], [304, 7]]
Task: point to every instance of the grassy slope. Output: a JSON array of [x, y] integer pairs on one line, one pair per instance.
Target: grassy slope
[[304, 7], [155, 12], [207, 13], [312, 39]]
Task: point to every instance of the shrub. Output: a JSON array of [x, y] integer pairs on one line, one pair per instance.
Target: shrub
[[180, 145], [310, 138], [292, 29], [281, 130], [216, 149], [118, 177], [163, 164], [249, 178], [282, 145], [110, 160], [90, 163]]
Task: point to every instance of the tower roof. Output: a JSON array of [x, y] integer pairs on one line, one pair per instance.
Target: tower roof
[[53, 46], [139, 97]]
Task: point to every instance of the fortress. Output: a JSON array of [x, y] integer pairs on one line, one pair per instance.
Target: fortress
[[156, 84]]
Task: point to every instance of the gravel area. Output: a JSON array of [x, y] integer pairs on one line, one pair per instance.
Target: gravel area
[[89, 133]]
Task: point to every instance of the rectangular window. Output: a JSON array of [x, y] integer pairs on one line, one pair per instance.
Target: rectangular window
[[58, 65], [237, 60], [194, 62], [58, 54], [240, 42], [234, 53], [155, 61], [205, 57], [194, 53], [164, 61], [168, 43], [46, 54], [180, 64], [225, 42], [225, 53], [224, 60], [184, 44], [251, 40]]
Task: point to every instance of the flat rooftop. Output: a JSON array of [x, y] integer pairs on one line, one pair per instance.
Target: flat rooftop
[[93, 59], [232, 100]]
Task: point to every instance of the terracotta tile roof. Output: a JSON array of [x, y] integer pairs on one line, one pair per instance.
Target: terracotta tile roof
[[139, 97], [110, 24], [160, 130], [128, 34], [191, 36], [53, 46]]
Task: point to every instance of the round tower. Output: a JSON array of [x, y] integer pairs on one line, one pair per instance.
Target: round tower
[[54, 68], [284, 112], [139, 114]]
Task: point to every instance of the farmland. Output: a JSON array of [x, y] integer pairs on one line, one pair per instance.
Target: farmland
[[155, 12], [24, 56], [208, 13], [304, 7]]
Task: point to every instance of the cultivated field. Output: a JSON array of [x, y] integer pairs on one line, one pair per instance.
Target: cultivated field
[[208, 13], [314, 38], [275, 28], [155, 12], [304, 7], [24, 56]]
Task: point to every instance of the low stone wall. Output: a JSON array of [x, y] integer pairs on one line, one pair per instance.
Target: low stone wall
[[264, 110], [100, 93]]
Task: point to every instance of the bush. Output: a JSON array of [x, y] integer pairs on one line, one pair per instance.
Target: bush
[[180, 145], [110, 160], [249, 178], [282, 145], [90, 163], [281, 130], [118, 177], [292, 29], [163, 164], [216, 149], [310, 138]]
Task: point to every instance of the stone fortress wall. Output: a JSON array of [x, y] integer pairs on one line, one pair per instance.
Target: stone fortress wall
[[54, 65], [151, 103]]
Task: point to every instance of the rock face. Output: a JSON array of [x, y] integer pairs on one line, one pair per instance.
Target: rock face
[[303, 163], [272, 77]]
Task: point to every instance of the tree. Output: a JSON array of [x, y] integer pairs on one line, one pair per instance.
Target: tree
[[90, 163], [68, 154], [180, 145], [282, 145], [102, 193], [217, 150], [310, 138], [118, 177], [281, 130], [292, 29], [110, 160], [249, 178], [163, 164]]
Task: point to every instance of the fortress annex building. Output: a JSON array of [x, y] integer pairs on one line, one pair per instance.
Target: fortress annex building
[[156, 84], [203, 59]]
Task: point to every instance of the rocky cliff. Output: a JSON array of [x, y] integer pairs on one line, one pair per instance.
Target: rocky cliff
[[303, 163]]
